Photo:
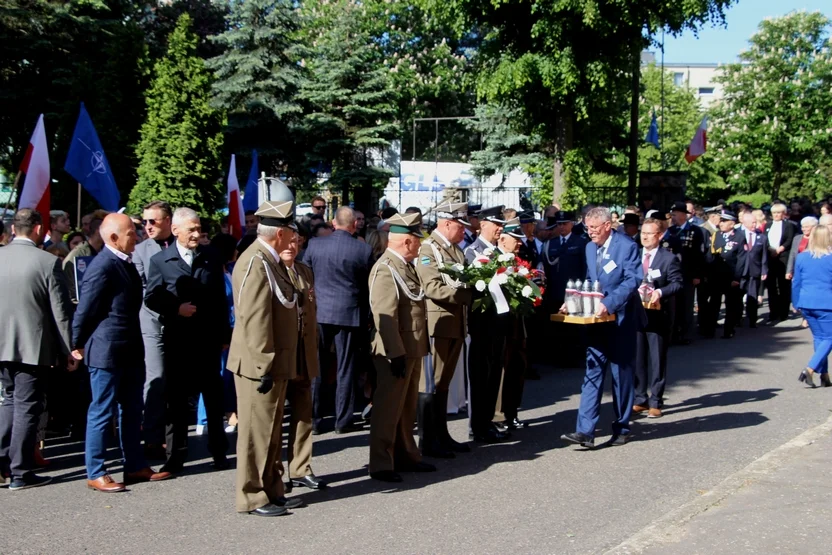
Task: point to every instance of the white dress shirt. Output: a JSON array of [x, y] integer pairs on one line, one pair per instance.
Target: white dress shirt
[[652, 254], [775, 235], [124, 256], [186, 254]]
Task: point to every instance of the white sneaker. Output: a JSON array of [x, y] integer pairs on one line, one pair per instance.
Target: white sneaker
[[200, 430], [230, 429]]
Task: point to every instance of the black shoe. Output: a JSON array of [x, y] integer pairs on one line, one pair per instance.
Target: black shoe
[[515, 424], [311, 481], [270, 510], [492, 435], [618, 440], [31, 480], [221, 463], [316, 431], [386, 476], [367, 412], [578, 438], [825, 381], [501, 426], [348, 429], [728, 335], [292, 503], [412, 466], [437, 451], [453, 445]]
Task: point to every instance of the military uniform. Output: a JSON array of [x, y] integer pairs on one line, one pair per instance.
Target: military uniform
[[727, 266], [263, 358], [447, 303], [563, 259], [398, 344]]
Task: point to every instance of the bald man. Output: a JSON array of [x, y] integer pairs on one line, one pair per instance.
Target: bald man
[[106, 334]]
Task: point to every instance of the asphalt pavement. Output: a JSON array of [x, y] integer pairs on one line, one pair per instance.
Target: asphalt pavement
[[728, 404]]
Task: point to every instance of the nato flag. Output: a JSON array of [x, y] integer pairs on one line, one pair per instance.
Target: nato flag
[[87, 163], [250, 198], [653, 133]]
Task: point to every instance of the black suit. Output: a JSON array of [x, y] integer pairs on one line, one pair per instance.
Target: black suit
[[193, 345], [727, 266], [529, 251], [779, 288], [652, 342], [756, 266], [562, 262], [691, 242]]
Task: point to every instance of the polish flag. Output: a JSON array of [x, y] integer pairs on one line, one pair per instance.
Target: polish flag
[[699, 144], [236, 215], [35, 165]]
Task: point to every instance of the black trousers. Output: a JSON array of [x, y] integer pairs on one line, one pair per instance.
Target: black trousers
[[190, 373], [651, 367], [20, 411], [485, 365], [345, 339], [514, 375], [752, 289], [733, 306], [779, 288], [686, 299], [703, 301]]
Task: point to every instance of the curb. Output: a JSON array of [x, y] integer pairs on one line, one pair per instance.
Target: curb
[[671, 527]]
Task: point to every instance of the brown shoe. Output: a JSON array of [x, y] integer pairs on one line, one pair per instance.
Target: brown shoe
[[638, 409], [145, 475], [654, 413], [105, 484]]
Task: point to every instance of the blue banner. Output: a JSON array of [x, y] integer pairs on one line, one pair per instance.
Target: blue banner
[[81, 264], [87, 163], [653, 133]]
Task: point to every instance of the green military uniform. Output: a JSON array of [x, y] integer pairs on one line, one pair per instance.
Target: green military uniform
[[447, 304], [398, 343], [299, 391], [268, 314]]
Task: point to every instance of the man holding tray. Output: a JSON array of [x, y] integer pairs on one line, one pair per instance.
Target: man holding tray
[[613, 259]]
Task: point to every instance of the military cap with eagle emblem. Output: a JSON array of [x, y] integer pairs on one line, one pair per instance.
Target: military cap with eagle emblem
[[277, 214], [450, 210], [493, 214], [405, 224]]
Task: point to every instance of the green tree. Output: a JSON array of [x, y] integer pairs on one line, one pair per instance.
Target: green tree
[[567, 65], [257, 79], [181, 140], [348, 97], [159, 19], [773, 129]]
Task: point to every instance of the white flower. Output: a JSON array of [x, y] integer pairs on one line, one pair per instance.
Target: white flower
[[488, 252], [523, 271], [480, 285], [477, 264], [506, 257], [457, 267], [527, 291], [501, 279], [510, 270]]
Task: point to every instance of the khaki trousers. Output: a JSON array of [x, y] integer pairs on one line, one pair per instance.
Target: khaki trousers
[[394, 414], [299, 446], [444, 353], [259, 445]]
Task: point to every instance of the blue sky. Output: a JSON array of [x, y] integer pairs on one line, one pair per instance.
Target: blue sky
[[723, 44]]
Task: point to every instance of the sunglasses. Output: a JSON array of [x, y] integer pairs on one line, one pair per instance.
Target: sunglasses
[[319, 206], [151, 222]]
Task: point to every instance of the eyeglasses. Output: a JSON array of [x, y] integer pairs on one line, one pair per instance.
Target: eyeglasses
[[151, 222], [319, 206]]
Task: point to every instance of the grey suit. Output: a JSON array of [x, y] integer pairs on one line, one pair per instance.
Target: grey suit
[[793, 253], [154, 351], [35, 338]]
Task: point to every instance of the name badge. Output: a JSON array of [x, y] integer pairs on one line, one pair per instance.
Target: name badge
[[610, 266], [655, 273]]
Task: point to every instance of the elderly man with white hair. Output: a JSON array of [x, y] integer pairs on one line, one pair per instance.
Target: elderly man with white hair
[[801, 242], [186, 286], [780, 235]]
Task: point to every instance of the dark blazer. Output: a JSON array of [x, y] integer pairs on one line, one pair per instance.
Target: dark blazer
[[620, 284], [728, 256], [756, 257], [106, 323], [171, 282], [528, 251], [786, 240], [562, 263], [666, 276], [693, 247], [341, 265]]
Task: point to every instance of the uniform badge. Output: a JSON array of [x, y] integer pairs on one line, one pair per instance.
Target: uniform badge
[[666, 245], [425, 261], [729, 246], [311, 295]]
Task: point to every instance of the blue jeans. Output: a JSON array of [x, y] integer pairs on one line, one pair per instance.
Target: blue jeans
[[228, 390], [115, 392], [820, 322]]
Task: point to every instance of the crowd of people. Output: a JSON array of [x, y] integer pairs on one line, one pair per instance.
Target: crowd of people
[[348, 321]]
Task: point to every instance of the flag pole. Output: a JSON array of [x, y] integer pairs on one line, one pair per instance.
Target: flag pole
[[78, 212], [661, 142]]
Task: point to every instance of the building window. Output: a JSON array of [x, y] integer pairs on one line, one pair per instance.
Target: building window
[[678, 79], [706, 90]]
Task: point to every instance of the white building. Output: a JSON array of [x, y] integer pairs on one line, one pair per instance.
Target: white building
[[700, 78]]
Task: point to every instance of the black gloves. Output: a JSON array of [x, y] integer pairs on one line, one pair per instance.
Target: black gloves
[[398, 367], [266, 384]]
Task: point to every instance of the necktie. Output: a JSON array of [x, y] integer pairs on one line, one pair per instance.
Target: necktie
[[646, 264], [563, 240], [188, 257], [599, 258]]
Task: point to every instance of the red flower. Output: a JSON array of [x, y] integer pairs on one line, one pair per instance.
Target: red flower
[[537, 301], [501, 270], [523, 263], [542, 290]]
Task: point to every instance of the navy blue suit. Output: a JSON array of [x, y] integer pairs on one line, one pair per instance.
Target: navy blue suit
[[563, 262], [341, 265], [756, 266], [192, 345], [727, 267], [692, 244], [665, 273], [620, 273], [106, 325]]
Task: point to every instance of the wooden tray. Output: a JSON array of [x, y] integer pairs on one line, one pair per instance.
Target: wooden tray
[[569, 319], [649, 306]]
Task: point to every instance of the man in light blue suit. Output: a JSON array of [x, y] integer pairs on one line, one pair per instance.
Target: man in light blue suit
[[612, 258]]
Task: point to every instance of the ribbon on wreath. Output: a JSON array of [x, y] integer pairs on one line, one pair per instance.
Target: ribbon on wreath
[[497, 295]]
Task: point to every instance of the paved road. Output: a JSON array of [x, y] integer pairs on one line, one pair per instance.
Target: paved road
[[728, 403]]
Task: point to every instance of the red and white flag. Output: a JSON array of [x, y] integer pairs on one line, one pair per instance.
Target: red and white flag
[[699, 144], [35, 165], [236, 216]]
